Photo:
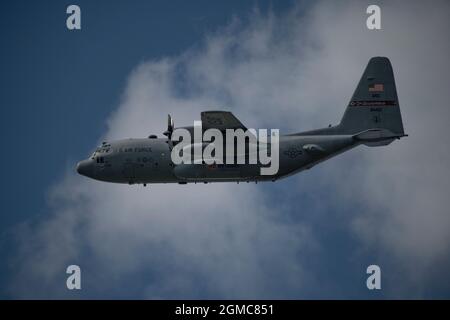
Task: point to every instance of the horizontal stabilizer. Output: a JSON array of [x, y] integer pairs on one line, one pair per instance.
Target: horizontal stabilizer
[[377, 137]]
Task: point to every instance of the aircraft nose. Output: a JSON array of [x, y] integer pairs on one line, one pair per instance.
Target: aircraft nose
[[84, 168]]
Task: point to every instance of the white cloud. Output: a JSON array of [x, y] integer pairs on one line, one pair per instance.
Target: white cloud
[[291, 71]]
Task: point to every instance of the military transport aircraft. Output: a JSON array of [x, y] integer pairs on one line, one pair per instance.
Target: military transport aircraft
[[372, 118]]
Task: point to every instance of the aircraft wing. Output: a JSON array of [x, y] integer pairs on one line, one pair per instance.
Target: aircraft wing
[[220, 120]]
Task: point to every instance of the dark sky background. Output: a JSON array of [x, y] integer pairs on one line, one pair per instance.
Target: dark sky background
[[59, 88]]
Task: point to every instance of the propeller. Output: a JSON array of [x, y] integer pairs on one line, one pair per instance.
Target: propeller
[[170, 125]]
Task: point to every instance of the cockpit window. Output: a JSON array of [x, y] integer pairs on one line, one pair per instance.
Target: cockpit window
[[101, 150], [104, 148]]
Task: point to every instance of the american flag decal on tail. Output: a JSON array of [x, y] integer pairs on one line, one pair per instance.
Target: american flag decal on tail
[[376, 87]]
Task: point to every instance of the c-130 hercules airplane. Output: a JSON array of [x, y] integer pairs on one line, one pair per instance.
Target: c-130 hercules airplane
[[372, 118]]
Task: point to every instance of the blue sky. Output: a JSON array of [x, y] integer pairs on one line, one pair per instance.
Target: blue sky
[[309, 236], [58, 86], [49, 86]]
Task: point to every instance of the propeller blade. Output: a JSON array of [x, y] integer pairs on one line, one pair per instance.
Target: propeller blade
[[170, 126]]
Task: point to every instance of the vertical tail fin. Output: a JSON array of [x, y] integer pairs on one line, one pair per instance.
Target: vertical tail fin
[[374, 104]]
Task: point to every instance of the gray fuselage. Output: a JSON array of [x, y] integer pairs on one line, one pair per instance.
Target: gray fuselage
[[149, 161], [372, 118]]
